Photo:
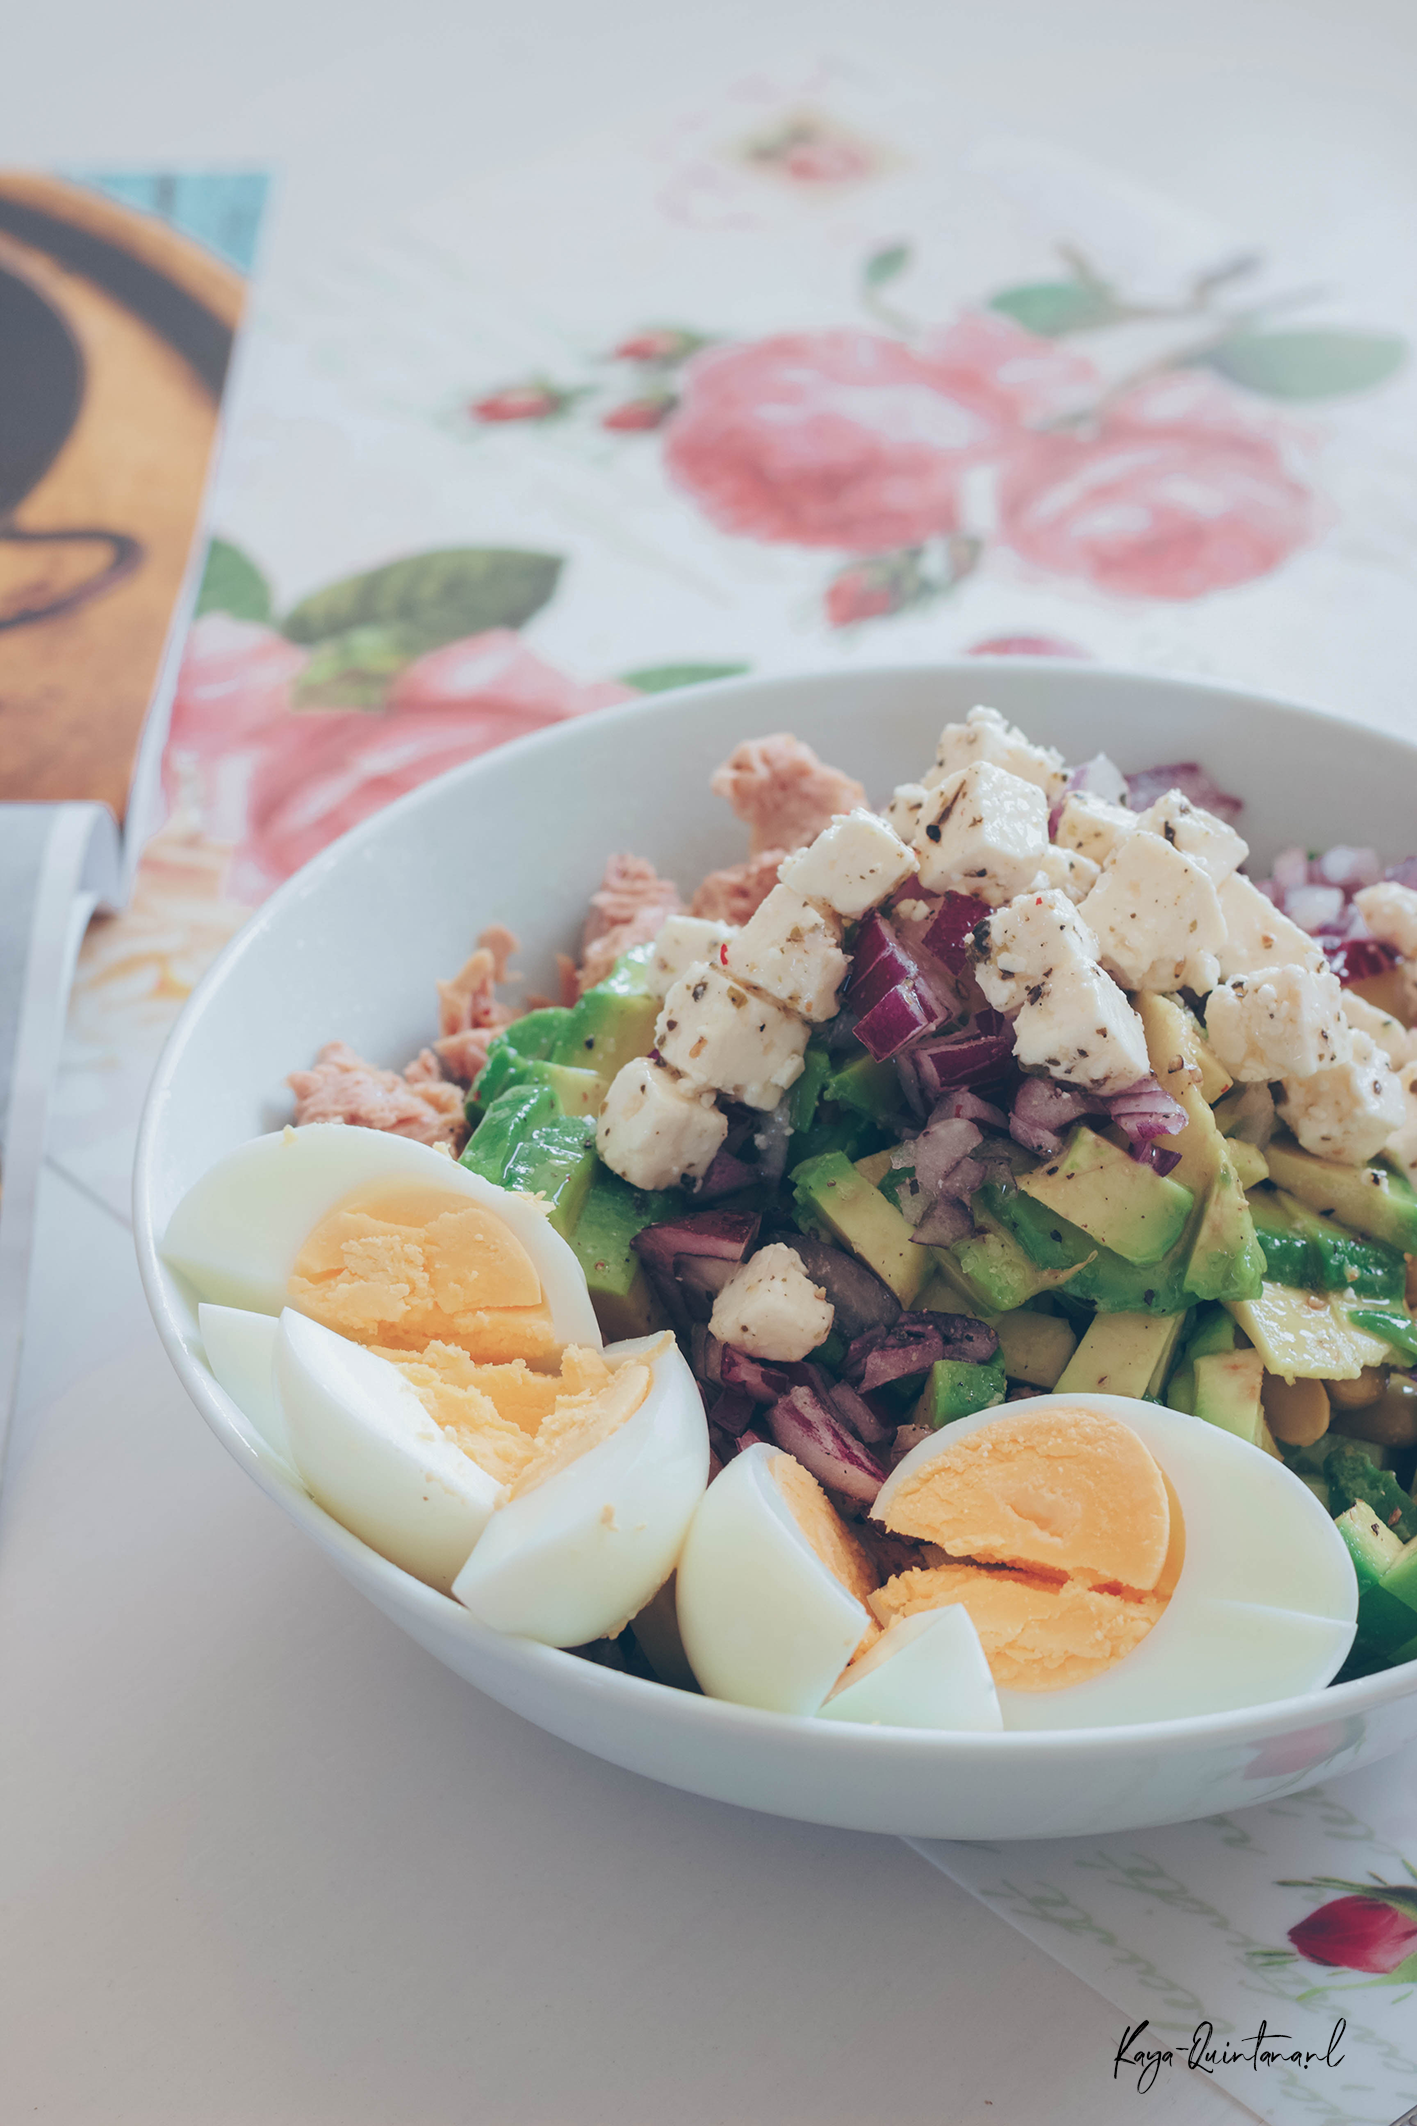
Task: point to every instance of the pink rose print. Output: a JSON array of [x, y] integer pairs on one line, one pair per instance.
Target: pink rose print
[[838, 439], [233, 689], [1173, 494], [520, 402], [1026, 646], [321, 771], [1037, 379]]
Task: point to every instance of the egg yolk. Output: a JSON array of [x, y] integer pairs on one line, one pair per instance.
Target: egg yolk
[[827, 1535], [404, 1267], [1068, 1537]]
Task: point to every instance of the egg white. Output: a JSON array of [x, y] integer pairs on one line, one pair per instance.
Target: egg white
[[927, 1670], [238, 1230], [1266, 1601], [241, 1349], [762, 1619], [371, 1455], [576, 1557]]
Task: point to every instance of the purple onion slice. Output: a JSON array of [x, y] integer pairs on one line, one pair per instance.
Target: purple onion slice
[[804, 1427], [1146, 1110], [854, 1410], [967, 1058], [1191, 779], [901, 1016]]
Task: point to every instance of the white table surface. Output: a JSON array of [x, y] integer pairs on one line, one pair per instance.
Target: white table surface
[[263, 1862]]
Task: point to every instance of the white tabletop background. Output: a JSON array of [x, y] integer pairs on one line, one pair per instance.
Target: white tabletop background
[[262, 1862]]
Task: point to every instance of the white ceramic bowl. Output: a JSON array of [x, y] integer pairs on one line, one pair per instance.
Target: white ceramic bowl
[[349, 949]]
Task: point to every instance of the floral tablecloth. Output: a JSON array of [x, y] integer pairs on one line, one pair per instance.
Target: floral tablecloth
[[822, 374]]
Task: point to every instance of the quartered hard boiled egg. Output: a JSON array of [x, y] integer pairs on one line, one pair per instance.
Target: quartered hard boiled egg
[[382, 1239], [772, 1586], [592, 1525], [1121, 1562], [372, 1456], [927, 1670], [241, 1349]]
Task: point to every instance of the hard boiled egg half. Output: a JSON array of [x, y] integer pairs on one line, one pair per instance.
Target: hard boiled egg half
[[420, 1345], [772, 1591], [1121, 1562]]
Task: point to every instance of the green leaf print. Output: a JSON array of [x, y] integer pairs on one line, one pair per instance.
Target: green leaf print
[[1308, 364], [1053, 308], [232, 584], [432, 598], [660, 678]]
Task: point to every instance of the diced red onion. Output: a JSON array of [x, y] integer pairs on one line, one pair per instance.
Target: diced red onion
[[804, 1427], [888, 1353], [1349, 869], [909, 1076], [1313, 907], [1360, 959], [854, 1410], [901, 1016], [951, 927], [728, 1234], [946, 1221], [977, 1053], [704, 1273], [939, 1147], [1191, 780], [961, 1102], [705, 1354], [739, 1369], [733, 1411], [879, 964], [907, 1437], [1405, 873], [1161, 1159], [1146, 1110], [725, 1175], [1042, 1109]]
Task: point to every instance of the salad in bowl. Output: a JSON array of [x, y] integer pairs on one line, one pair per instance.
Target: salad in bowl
[[951, 1272]]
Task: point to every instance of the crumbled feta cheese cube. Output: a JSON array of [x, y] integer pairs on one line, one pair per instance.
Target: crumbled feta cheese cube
[[656, 1130], [1093, 826], [1072, 874], [853, 865], [790, 949], [983, 832], [1156, 916], [719, 1034], [1279, 1022], [1390, 912], [1024, 942], [1401, 1146], [904, 810], [771, 1309], [1210, 842], [1257, 935], [683, 940], [1393, 1038], [1349, 1112], [1038, 959], [986, 735]]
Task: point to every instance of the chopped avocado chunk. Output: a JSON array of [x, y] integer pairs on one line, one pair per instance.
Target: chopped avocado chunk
[[1227, 1392], [1400, 1573], [1035, 1347], [603, 1238], [997, 1273], [1354, 1478], [875, 1166], [1215, 1081], [803, 1098], [1249, 1163], [954, 1388], [1384, 1618], [1129, 1207], [1372, 1199], [578, 1092], [1225, 1262], [1307, 1335], [536, 1033], [1091, 1272], [945, 1291], [1302, 1247], [831, 1197], [871, 1088], [1213, 1329], [613, 1022], [851, 1134], [525, 1142], [1121, 1354]]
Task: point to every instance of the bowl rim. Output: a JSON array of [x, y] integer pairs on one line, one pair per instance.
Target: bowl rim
[[588, 1679]]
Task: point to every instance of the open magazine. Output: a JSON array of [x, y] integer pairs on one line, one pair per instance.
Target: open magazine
[[120, 300]]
